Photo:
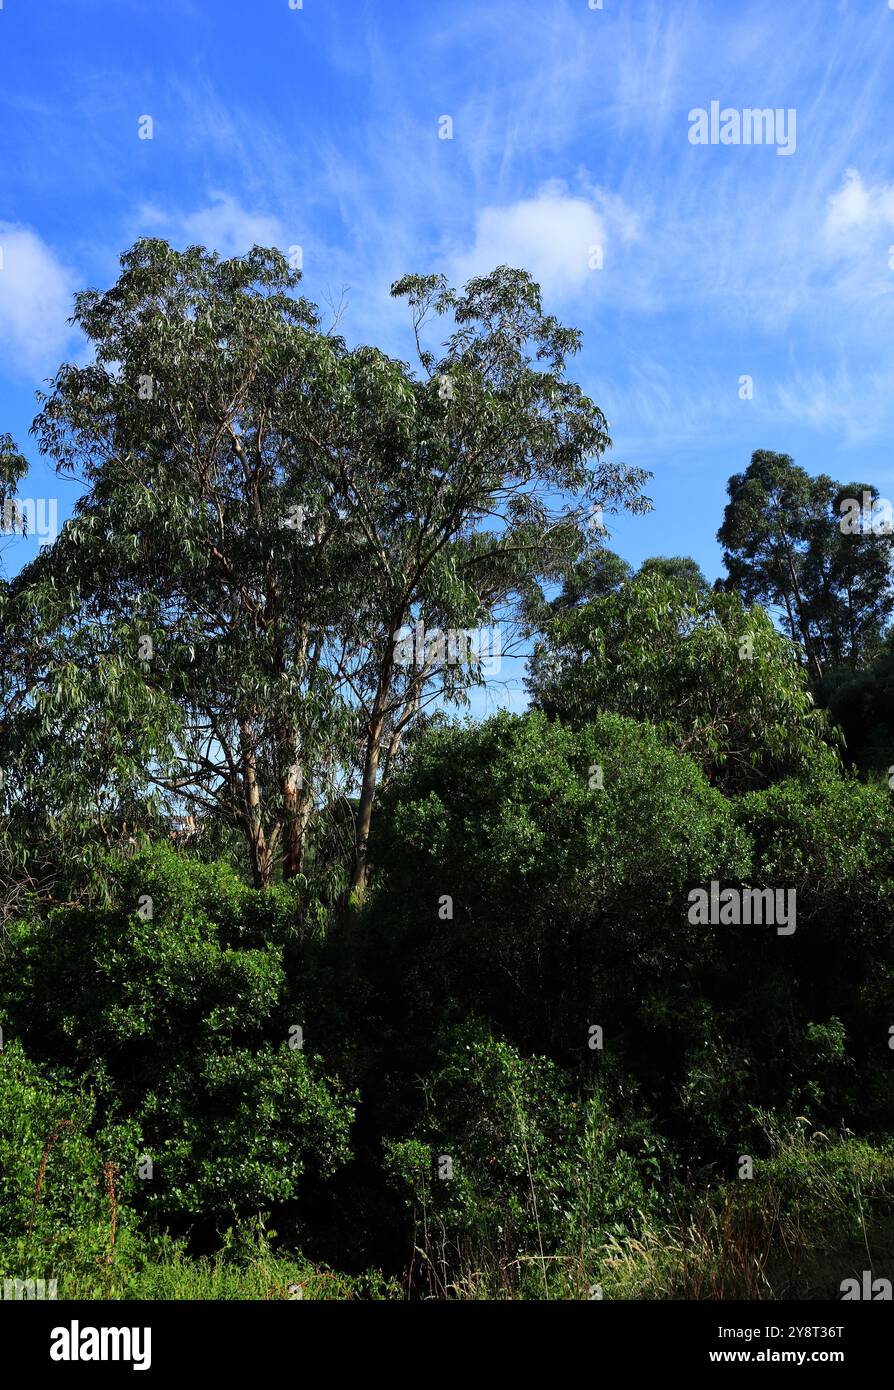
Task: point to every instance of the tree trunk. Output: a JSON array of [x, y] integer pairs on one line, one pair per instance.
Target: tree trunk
[[297, 808], [357, 885], [799, 602], [792, 625], [375, 729], [259, 854]]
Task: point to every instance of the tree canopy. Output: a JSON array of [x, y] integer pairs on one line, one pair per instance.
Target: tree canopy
[[715, 678], [269, 517], [785, 546]]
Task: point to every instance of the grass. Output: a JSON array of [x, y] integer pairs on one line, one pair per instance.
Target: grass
[[818, 1211]]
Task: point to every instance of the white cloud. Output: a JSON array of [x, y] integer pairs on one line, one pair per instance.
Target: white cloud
[[856, 209], [35, 302], [553, 235], [224, 226]]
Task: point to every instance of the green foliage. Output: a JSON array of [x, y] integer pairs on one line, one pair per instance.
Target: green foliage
[[570, 909], [247, 1267], [183, 1022], [238, 1131], [55, 1209], [540, 1172], [715, 679], [263, 511], [527, 1071], [831, 840], [861, 703], [13, 467], [681, 570], [816, 1211], [785, 546], [569, 900]]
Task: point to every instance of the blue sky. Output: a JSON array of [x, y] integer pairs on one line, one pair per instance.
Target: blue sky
[[319, 127]]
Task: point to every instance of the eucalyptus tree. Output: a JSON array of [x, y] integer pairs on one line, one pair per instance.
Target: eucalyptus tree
[[13, 467], [848, 593], [715, 678], [68, 713], [13, 669], [786, 545], [269, 517], [490, 480], [197, 431], [764, 535], [680, 569], [593, 575]]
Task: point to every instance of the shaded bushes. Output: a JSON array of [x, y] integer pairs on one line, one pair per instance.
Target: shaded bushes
[[568, 898], [818, 1210], [570, 909], [821, 1026], [514, 1170]]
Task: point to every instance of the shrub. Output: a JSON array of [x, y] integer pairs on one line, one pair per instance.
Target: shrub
[[62, 1206], [182, 1021], [514, 1169], [569, 900], [818, 1210], [820, 1028], [569, 909], [239, 1130]]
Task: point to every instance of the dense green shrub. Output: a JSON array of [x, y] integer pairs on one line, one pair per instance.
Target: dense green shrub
[[570, 910], [62, 1207], [816, 1211], [820, 1027], [238, 1130], [184, 1021], [531, 888], [68, 1190], [512, 1167], [861, 703], [569, 899]]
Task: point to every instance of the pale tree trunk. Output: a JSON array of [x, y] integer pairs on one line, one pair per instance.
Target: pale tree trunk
[[297, 808], [259, 851], [297, 791]]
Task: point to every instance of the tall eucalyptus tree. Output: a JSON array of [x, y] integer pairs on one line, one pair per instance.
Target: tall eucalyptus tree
[[267, 514]]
